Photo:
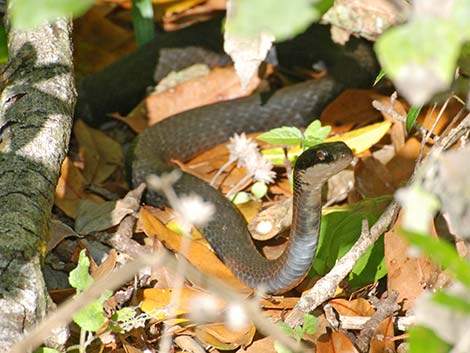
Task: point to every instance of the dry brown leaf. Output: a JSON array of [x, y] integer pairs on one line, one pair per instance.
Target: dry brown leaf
[[100, 153], [136, 119], [199, 254], [107, 266], [94, 217], [198, 13], [335, 342], [98, 42], [408, 275], [70, 189], [356, 307], [397, 132], [381, 341], [373, 178], [220, 84], [350, 108], [401, 166], [221, 337], [61, 295], [58, 232], [263, 345]]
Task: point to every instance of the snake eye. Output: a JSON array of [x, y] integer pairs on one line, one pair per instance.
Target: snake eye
[[322, 155]]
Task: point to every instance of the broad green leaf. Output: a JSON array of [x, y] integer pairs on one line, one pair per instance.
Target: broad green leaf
[[340, 228], [91, 318], [315, 134], [310, 324], [412, 116], [26, 14], [283, 19], [142, 19], [420, 56], [442, 253], [286, 135], [259, 189], [453, 302], [79, 278], [424, 340]]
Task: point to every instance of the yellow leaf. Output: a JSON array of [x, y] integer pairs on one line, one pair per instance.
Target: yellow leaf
[[199, 253], [359, 140]]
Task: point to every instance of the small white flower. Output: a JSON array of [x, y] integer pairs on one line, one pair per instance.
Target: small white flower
[[263, 171], [241, 148], [194, 210]]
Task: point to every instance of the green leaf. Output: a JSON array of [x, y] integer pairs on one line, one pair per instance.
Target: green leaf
[[120, 317], [285, 328], [79, 278], [315, 134], [442, 253], [124, 314], [283, 19], [298, 333], [142, 19], [412, 116], [380, 76], [453, 302], [310, 324], [241, 197], [26, 14], [420, 56], [91, 318], [286, 135], [3, 45], [339, 230], [259, 189], [424, 340], [45, 350]]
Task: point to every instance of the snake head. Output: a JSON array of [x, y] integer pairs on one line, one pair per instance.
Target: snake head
[[322, 161]]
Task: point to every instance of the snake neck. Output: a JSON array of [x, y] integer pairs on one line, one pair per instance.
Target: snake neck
[[298, 256]]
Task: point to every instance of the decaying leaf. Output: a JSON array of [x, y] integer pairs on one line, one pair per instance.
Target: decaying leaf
[[71, 188], [100, 154]]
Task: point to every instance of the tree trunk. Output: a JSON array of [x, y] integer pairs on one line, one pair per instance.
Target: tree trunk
[[36, 109]]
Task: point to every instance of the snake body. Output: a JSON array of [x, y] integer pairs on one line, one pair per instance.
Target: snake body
[[184, 135]]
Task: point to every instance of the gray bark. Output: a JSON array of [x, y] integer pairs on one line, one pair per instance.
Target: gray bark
[[36, 109]]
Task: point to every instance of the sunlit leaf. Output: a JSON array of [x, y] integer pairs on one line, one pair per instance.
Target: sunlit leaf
[[412, 116], [286, 135], [30, 13]]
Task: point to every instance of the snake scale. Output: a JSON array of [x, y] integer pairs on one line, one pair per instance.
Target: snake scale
[[184, 135]]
